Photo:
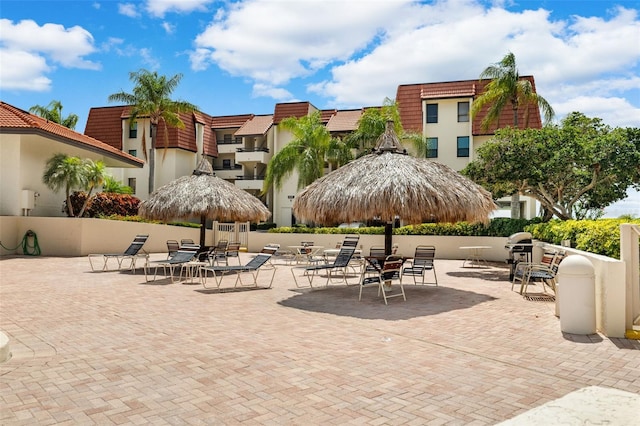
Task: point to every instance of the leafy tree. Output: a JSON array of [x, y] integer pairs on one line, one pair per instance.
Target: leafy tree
[[62, 171], [113, 186], [372, 124], [151, 98], [53, 112], [578, 164], [307, 152], [506, 88]]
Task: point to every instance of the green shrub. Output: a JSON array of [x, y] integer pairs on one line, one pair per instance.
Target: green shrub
[[499, 227], [600, 236]]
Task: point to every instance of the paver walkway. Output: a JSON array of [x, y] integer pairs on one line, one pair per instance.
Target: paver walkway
[[109, 348]]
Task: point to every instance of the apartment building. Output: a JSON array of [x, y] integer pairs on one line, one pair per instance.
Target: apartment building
[[240, 146], [441, 113]]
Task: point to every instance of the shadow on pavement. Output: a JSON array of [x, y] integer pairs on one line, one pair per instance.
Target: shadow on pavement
[[421, 301]]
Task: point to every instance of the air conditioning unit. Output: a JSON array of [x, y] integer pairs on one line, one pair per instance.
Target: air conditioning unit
[[28, 199]]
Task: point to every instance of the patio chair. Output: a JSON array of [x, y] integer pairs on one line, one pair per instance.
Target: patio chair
[[339, 265], [253, 267], [544, 273], [521, 270], [186, 241], [217, 252], [423, 261], [391, 270], [179, 259], [350, 241], [131, 254], [172, 247], [233, 251]]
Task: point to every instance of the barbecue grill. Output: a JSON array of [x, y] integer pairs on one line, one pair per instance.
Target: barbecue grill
[[520, 248]]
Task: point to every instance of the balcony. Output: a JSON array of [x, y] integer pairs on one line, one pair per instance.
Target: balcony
[[229, 147], [250, 182], [253, 155], [227, 172]]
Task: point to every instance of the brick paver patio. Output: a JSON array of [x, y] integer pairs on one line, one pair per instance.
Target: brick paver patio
[[109, 348]]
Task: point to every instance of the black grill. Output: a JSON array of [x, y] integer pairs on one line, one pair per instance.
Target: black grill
[[520, 248]]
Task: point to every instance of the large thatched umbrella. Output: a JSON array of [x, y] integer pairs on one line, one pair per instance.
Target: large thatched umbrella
[[389, 184], [205, 196]]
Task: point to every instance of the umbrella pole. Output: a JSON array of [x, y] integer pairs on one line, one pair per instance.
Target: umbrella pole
[[388, 232], [203, 230]]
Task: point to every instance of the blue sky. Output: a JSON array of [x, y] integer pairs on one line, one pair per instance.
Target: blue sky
[[241, 57]]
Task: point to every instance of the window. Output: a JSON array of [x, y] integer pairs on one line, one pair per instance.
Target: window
[[432, 147], [226, 164], [132, 184], [432, 113], [227, 139], [133, 131], [238, 139], [463, 146], [133, 152], [463, 112]]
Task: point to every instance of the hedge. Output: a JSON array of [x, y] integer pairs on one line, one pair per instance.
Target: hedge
[[600, 236]]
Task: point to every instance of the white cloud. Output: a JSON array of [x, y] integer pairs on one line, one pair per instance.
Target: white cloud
[[296, 40], [34, 50], [369, 48], [168, 28], [27, 71], [159, 8], [149, 58], [278, 93], [128, 9]]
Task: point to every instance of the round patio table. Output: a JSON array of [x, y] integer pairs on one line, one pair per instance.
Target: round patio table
[[474, 255]]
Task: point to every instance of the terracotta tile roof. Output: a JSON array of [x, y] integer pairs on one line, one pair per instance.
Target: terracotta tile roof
[[229, 121], [344, 120], [326, 114], [15, 120], [105, 123], [291, 109], [409, 99], [258, 125]]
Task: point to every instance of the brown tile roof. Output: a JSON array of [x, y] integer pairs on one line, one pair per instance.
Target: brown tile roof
[[15, 120], [291, 109], [409, 99], [258, 125], [229, 121], [105, 123], [326, 114], [344, 120]]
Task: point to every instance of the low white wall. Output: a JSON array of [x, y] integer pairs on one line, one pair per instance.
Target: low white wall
[[611, 294], [62, 236]]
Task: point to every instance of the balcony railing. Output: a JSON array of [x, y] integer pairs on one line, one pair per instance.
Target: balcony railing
[[259, 177], [232, 167], [252, 149]]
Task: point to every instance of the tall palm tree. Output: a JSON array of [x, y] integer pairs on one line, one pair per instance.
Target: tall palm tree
[[507, 88], [53, 112], [62, 171], [151, 98], [307, 152]]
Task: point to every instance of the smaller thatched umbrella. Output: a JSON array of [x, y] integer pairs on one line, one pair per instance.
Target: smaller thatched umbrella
[[204, 196], [388, 184]]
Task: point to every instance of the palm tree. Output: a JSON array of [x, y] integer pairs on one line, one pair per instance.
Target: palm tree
[[53, 112], [506, 87], [151, 98], [64, 171], [307, 152], [373, 123], [94, 175], [112, 185]]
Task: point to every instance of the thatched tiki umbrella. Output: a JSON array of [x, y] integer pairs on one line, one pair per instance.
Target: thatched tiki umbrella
[[387, 184], [205, 196]]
